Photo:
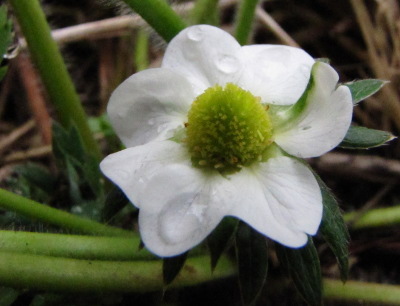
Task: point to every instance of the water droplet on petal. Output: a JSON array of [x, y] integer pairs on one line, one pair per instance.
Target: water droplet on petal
[[227, 64], [151, 121], [178, 222], [195, 34]]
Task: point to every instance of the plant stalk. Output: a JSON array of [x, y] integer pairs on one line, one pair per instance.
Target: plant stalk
[[74, 275], [361, 292], [31, 209], [73, 246], [244, 20], [159, 15]]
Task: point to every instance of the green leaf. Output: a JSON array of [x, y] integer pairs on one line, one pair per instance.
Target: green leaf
[[363, 138], [304, 268], [172, 266], [252, 257], [81, 171], [334, 230], [221, 238], [37, 176], [361, 90], [67, 144]]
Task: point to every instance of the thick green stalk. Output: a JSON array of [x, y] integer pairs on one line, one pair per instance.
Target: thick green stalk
[[75, 275], [244, 20], [374, 218], [49, 215], [360, 292], [205, 12], [73, 246], [159, 15], [52, 69]]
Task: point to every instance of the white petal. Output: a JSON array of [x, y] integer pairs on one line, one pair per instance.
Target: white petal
[[281, 199], [325, 119], [132, 168], [149, 105], [181, 206], [278, 74], [205, 55]]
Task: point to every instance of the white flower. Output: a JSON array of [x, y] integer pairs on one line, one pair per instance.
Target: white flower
[[184, 187]]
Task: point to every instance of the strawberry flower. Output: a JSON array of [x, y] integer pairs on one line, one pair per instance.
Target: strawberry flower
[[218, 131]]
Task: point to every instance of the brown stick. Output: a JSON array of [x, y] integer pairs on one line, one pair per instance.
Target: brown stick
[[35, 96], [371, 168], [16, 134]]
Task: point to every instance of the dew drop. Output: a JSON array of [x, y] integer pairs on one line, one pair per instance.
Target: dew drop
[[227, 64], [195, 34], [151, 121]]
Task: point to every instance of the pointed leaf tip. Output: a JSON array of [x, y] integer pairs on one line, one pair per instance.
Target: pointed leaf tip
[[304, 268], [172, 266], [363, 138], [363, 89]]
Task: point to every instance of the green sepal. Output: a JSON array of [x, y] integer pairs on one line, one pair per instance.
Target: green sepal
[[283, 116], [358, 137], [303, 266], [172, 266], [252, 258], [221, 238], [115, 201], [334, 229], [363, 89]]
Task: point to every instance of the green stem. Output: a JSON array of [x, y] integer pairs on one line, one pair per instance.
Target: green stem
[[159, 15], [75, 275], [52, 69], [47, 214], [142, 50], [73, 246], [374, 218], [244, 20], [361, 292], [205, 12]]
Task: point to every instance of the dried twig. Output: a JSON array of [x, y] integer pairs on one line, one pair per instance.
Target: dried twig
[[18, 156], [275, 28], [371, 168], [36, 100], [16, 134], [111, 27]]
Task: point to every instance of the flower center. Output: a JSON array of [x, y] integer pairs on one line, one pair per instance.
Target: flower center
[[227, 128]]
